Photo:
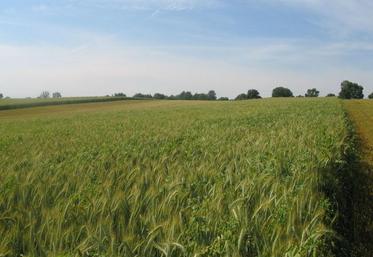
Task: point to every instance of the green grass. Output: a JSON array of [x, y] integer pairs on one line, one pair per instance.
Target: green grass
[[170, 178]]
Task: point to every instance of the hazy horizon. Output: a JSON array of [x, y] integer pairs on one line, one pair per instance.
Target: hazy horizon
[[97, 47]]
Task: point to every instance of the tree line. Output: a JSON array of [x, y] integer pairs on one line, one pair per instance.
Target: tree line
[[349, 90]]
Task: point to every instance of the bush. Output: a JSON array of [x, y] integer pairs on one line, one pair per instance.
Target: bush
[[330, 95], [1, 96], [370, 96], [282, 92], [223, 99], [350, 90]]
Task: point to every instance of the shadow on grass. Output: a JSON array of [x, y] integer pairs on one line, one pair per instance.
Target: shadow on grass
[[352, 197], [362, 214]]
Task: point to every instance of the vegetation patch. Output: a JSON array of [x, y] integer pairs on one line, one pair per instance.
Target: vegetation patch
[[244, 178]]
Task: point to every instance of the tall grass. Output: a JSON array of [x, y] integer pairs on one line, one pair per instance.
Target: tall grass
[[201, 179]]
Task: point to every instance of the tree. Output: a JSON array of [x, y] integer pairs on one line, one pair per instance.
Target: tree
[[282, 92], [185, 95], [139, 95], [56, 95], [1, 96], [253, 94], [223, 99], [350, 90], [202, 96], [241, 97], [159, 96], [330, 95], [312, 93], [119, 95], [370, 96], [44, 94], [211, 95]]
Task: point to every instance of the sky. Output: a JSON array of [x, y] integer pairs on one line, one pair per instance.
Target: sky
[[100, 47]]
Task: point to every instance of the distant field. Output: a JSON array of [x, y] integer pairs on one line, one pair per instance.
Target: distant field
[[7, 104], [170, 178]]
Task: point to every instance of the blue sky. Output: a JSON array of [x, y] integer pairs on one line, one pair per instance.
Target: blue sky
[[98, 47]]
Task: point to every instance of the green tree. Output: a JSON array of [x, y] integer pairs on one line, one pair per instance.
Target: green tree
[[253, 94], [56, 95], [119, 95], [370, 96], [185, 95], [159, 96], [1, 96], [241, 97], [312, 93], [211, 95], [44, 94], [282, 92], [139, 95], [350, 90], [223, 99], [330, 95]]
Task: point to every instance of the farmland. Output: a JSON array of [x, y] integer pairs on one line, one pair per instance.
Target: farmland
[[9, 104], [361, 113], [171, 178]]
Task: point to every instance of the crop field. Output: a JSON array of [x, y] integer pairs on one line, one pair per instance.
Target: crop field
[[170, 178], [361, 113], [9, 104]]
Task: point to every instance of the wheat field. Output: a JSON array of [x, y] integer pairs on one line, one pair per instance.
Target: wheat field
[[170, 178]]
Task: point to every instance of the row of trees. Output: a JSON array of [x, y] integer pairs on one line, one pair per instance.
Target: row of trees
[[349, 90], [185, 95]]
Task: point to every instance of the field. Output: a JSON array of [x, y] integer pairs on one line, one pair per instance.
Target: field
[[171, 178], [361, 113], [8, 104]]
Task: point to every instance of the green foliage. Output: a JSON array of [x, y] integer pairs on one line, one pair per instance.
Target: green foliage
[[281, 92], [159, 96], [370, 96], [119, 95], [330, 95], [166, 178], [56, 95], [223, 99], [140, 95], [312, 93], [1, 96], [241, 97], [44, 94], [253, 94], [350, 90]]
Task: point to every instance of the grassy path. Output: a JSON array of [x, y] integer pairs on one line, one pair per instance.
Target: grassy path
[[361, 113]]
